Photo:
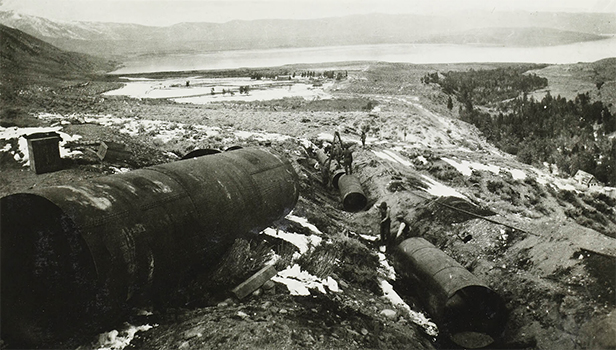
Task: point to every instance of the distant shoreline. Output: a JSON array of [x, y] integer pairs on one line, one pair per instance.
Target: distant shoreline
[[366, 54]]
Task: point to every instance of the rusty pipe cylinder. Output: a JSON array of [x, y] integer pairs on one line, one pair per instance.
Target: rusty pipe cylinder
[[469, 311], [321, 156], [351, 193], [334, 177], [74, 255]]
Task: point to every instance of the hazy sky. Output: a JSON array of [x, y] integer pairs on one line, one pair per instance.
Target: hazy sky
[[166, 12]]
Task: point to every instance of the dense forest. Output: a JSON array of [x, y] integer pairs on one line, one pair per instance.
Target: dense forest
[[572, 134]]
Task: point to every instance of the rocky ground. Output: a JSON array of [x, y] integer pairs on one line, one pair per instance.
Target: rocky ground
[[551, 258]]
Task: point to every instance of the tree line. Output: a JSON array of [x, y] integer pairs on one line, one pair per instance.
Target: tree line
[[328, 74], [573, 134]]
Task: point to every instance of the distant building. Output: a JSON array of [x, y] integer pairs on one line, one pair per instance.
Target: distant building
[[586, 179]]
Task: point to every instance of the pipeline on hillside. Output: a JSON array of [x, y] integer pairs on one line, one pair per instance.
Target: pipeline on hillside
[[72, 256], [466, 308], [351, 193]]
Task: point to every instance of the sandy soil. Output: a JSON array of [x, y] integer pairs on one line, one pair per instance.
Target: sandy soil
[[555, 276]]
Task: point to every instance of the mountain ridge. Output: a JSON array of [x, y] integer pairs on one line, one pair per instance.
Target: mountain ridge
[[23, 55], [121, 39]]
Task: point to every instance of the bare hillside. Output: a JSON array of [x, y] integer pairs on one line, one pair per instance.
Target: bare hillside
[[516, 227]]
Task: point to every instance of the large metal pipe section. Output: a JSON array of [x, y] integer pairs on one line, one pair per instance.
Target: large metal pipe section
[[334, 177], [466, 308], [351, 194], [72, 256], [322, 157]]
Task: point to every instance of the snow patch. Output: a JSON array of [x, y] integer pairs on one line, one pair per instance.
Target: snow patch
[[517, 174], [299, 282], [117, 340], [416, 317], [324, 136], [436, 188], [368, 237], [466, 168], [22, 154], [302, 242], [549, 179], [304, 222], [397, 158], [385, 156], [391, 156], [119, 170], [387, 270], [261, 136], [165, 131]]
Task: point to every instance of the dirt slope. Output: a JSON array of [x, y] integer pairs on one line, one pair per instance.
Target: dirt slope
[[556, 276]]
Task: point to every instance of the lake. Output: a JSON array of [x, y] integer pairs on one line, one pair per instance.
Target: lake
[[408, 53]]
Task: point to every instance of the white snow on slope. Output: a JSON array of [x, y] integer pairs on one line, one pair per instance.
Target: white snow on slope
[[388, 273], [299, 282], [416, 317], [118, 340], [330, 138], [263, 136], [397, 158], [386, 269], [466, 168], [436, 188], [304, 222], [303, 242], [22, 154], [385, 156]]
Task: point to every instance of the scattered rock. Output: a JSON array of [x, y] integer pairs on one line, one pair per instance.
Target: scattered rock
[[283, 311], [351, 331], [364, 331], [389, 314], [227, 302], [194, 332], [242, 315]]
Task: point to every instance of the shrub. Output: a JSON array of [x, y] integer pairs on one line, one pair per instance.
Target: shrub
[[568, 196], [243, 259], [494, 186], [346, 257]]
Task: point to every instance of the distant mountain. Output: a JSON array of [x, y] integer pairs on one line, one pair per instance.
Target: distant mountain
[[23, 56], [43, 28], [515, 37], [111, 39]]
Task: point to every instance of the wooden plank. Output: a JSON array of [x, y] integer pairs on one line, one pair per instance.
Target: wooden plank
[[254, 282]]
